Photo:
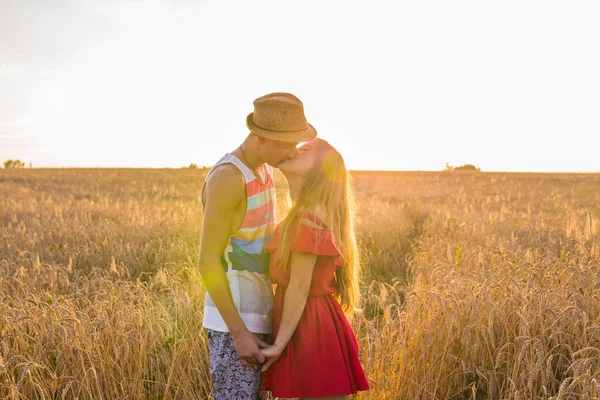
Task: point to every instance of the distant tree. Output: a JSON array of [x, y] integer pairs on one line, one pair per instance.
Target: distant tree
[[192, 166], [467, 167], [14, 164]]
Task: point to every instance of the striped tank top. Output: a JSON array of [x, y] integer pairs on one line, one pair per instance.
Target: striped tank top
[[246, 259]]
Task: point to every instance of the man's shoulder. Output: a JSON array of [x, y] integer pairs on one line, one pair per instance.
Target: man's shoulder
[[226, 179], [226, 171]]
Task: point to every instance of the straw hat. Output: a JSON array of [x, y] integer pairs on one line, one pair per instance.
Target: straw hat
[[280, 116]]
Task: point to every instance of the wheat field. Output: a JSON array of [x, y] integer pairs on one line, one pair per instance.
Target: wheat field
[[475, 285]]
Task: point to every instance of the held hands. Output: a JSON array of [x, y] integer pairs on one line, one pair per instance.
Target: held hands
[[247, 346], [271, 353]]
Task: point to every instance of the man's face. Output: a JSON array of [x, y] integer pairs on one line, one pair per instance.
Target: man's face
[[274, 152], [303, 162]]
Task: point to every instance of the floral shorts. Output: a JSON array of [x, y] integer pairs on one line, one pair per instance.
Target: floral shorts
[[230, 378]]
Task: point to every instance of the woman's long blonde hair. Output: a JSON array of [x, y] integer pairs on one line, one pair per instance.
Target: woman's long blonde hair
[[328, 188]]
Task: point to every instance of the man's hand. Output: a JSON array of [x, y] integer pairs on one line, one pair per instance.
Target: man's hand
[[272, 353], [247, 346]]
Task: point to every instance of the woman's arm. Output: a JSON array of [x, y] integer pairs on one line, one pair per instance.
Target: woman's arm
[[302, 265]]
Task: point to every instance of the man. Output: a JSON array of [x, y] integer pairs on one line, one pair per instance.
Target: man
[[238, 200]]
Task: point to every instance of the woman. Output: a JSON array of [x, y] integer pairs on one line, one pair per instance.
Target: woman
[[315, 264]]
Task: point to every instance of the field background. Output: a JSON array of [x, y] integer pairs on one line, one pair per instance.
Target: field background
[[476, 285]]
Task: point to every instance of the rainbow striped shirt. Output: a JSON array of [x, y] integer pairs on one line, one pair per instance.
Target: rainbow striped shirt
[[246, 259]]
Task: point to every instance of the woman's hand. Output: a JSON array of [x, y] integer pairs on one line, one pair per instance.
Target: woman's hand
[[271, 353]]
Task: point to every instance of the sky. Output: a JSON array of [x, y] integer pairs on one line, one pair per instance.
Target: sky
[[397, 85]]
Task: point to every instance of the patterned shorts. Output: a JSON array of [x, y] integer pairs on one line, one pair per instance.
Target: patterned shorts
[[230, 378]]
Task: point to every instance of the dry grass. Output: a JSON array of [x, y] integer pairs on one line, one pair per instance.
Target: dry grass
[[477, 285]]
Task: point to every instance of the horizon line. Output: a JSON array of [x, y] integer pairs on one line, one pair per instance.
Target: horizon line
[[349, 170]]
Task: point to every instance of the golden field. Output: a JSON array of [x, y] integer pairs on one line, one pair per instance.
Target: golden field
[[476, 285]]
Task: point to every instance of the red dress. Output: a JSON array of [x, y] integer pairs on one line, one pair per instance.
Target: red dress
[[321, 358]]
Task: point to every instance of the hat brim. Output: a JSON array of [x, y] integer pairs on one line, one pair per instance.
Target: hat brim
[[294, 136]]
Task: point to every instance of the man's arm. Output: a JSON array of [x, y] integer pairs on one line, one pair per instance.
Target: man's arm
[[224, 191]]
